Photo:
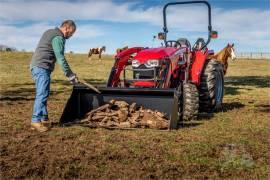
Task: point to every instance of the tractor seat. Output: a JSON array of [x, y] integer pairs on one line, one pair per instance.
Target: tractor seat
[[184, 42], [199, 44]]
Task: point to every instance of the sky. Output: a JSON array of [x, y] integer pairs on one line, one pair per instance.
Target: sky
[[119, 23]]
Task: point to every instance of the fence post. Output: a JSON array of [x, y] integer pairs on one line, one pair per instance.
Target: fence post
[[253, 55]]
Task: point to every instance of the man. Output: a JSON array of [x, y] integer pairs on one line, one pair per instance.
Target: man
[[50, 49]]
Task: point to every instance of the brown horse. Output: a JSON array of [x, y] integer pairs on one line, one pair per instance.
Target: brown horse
[[118, 50], [223, 56], [96, 51]]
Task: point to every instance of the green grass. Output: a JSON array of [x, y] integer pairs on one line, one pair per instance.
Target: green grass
[[234, 143]]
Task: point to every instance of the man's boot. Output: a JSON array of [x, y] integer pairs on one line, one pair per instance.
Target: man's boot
[[39, 127]]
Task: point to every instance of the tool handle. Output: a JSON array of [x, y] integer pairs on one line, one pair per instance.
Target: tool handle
[[89, 86]]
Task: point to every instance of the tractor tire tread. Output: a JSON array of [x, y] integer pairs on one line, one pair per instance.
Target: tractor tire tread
[[207, 87], [190, 102]]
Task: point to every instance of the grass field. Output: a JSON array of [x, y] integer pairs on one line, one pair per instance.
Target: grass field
[[233, 143]]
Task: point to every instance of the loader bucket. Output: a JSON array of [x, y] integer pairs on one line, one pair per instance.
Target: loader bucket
[[83, 100]]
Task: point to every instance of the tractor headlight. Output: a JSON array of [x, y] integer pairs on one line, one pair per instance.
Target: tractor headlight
[[135, 63], [152, 63]]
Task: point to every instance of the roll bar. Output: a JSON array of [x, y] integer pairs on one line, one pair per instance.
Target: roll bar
[[165, 29]]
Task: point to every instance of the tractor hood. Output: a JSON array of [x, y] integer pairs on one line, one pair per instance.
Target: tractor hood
[[154, 53]]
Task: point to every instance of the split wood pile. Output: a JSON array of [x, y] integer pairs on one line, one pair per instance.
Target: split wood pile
[[120, 114]]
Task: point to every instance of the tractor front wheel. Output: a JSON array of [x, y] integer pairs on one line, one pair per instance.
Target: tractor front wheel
[[211, 88], [190, 102]]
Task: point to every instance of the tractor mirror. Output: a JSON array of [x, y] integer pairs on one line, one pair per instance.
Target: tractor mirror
[[161, 35], [214, 34]]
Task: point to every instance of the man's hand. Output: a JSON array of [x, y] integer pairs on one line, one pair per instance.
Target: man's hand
[[73, 79]]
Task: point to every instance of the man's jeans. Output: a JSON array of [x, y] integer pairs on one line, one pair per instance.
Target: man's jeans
[[42, 82]]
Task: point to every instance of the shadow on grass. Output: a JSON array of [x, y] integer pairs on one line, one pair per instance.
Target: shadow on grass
[[59, 82], [232, 83], [233, 90], [96, 81], [265, 108], [231, 106], [23, 94], [189, 124], [205, 116], [225, 108], [17, 98], [26, 91], [256, 81], [18, 94]]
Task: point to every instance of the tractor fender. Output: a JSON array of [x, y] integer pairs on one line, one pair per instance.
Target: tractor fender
[[199, 59]]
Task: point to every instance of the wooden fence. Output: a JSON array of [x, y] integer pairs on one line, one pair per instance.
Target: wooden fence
[[253, 55]]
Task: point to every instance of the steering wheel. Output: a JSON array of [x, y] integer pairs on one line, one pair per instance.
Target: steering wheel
[[172, 43]]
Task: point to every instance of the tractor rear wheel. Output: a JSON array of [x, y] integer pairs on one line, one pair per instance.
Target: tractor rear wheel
[[211, 88], [190, 102]]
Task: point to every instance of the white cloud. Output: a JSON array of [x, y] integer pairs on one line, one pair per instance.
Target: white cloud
[[82, 10], [27, 37], [88, 31], [22, 37], [243, 26], [249, 28]]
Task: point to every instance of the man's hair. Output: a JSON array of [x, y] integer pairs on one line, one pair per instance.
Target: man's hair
[[68, 23]]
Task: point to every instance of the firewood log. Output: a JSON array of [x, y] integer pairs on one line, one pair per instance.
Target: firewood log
[[124, 124], [101, 108], [115, 118], [159, 114], [112, 114], [105, 120], [132, 108], [111, 124], [123, 115], [92, 124], [100, 114], [96, 118], [159, 125], [121, 104], [112, 101], [134, 117]]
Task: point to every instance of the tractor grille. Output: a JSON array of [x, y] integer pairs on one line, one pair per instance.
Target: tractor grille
[[142, 72]]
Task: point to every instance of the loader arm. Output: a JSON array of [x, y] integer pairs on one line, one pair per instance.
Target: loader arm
[[121, 61]]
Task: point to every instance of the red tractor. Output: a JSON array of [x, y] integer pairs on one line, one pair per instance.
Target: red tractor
[[176, 79]]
